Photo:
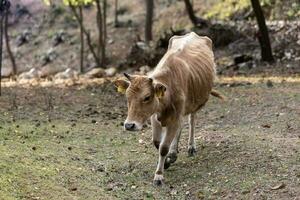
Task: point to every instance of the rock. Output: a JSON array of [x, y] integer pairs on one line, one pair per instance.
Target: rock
[[50, 56], [111, 71], [163, 41], [269, 84], [67, 74], [143, 70], [51, 70], [110, 41], [173, 192], [23, 38], [95, 73], [59, 38], [241, 58], [142, 45], [21, 11], [6, 72], [221, 34], [31, 74], [288, 55], [245, 65]]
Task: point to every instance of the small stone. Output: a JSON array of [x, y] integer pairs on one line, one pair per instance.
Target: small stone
[[67, 74], [245, 191], [110, 41], [111, 71], [141, 141], [288, 55], [269, 84], [95, 73], [133, 187]]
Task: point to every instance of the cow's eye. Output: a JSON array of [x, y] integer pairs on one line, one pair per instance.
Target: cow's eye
[[147, 98]]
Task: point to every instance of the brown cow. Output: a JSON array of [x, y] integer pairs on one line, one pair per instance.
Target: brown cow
[[180, 85]]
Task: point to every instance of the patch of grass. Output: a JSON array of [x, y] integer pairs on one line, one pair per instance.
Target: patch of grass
[[83, 152]]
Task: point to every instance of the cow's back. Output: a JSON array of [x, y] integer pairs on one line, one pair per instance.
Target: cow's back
[[189, 65]]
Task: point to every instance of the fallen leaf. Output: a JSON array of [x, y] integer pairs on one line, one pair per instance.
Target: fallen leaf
[[279, 186], [266, 126]]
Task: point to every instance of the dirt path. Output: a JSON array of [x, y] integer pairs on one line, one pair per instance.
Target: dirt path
[[69, 144]]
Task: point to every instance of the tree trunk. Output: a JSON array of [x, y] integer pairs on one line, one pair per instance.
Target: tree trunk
[[86, 33], [116, 14], [100, 31], [10, 54], [197, 21], [1, 43], [103, 61], [149, 20], [81, 41], [263, 35]]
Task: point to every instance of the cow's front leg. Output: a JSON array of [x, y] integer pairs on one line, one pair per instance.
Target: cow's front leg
[[172, 155], [163, 152], [156, 131]]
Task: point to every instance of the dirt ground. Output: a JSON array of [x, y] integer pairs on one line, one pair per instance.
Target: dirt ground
[[69, 144]]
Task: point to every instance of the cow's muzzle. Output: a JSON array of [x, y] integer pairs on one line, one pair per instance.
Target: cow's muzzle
[[132, 126]]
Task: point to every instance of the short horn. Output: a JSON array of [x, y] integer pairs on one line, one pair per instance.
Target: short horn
[[127, 76]]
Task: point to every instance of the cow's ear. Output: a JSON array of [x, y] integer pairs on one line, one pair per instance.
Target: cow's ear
[[121, 85], [159, 90]]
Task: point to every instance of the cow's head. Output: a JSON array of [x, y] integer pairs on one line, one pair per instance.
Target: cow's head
[[143, 96]]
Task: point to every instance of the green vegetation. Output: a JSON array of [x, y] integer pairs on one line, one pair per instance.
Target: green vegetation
[[227, 9]]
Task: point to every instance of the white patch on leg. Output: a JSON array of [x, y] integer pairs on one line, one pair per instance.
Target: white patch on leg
[[158, 177]]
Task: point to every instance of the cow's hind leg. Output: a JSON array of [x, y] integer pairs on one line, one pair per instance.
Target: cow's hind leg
[[191, 145]]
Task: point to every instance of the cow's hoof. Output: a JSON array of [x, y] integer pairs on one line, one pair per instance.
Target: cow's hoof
[[167, 163], [158, 183], [191, 151], [158, 180], [172, 156]]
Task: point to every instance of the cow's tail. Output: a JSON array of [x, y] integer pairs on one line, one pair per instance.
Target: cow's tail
[[217, 94]]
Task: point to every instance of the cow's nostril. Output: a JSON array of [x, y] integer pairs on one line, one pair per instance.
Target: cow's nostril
[[129, 126]]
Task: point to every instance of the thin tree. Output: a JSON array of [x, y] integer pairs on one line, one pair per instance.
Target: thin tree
[[103, 59], [116, 14], [102, 35], [81, 41], [10, 54], [86, 33], [4, 6], [149, 20], [1, 39], [197, 21], [100, 29], [263, 35]]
